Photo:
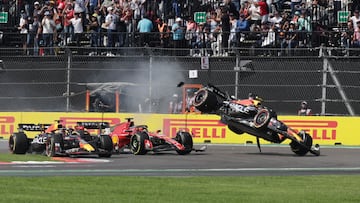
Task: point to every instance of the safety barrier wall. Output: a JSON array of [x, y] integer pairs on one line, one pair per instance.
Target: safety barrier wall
[[329, 130]]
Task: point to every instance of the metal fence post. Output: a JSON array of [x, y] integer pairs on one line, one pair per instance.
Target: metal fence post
[[68, 68]]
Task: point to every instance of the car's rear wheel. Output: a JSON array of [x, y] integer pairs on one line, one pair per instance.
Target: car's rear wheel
[[18, 143], [137, 143], [299, 149], [262, 119], [107, 145], [186, 140], [56, 144], [205, 101]]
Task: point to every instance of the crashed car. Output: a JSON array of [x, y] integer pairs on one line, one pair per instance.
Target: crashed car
[[56, 140], [139, 140], [250, 116]]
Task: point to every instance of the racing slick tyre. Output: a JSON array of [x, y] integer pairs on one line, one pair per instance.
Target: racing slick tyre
[[262, 119], [186, 140], [107, 145], [205, 101], [137, 143], [301, 150], [18, 143], [55, 145]]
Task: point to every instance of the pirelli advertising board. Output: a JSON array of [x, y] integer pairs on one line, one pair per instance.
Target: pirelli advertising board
[[204, 128]]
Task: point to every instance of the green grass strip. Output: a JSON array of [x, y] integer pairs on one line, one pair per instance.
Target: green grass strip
[[8, 157], [181, 189]]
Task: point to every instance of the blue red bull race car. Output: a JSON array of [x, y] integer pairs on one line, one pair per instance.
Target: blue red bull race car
[[57, 140]]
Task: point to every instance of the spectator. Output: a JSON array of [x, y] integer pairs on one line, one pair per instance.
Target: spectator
[[304, 109], [225, 31], [191, 27], [78, 28], [232, 7], [245, 9], [264, 10], [295, 4], [48, 30], [356, 36], [199, 40], [23, 27], [254, 16], [178, 32], [355, 18], [33, 37], [163, 29], [110, 24], [92, 4], [276, 20], [94, 28], [68, 30], [290, 40], [37, 10], [145, 26], [175, 105]]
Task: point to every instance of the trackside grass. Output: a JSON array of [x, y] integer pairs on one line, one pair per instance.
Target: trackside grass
[[7, 157], [181, 189]]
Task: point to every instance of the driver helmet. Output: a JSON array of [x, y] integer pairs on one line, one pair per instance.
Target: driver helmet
[[256, 99]]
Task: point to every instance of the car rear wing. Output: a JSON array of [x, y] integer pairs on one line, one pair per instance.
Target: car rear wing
[[94, 125], [33, 127]]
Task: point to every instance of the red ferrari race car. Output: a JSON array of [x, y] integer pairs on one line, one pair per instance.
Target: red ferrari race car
[[56, 140], [140, 140]]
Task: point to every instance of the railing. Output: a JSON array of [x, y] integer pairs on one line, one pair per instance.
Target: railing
[[206, 44]]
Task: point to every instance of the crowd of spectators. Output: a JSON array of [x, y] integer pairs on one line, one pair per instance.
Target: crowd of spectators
[[283, 24]]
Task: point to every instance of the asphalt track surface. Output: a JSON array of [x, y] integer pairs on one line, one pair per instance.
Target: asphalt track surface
[[217, 160]]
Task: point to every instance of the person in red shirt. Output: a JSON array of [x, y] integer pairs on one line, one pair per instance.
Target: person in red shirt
[[68, 14], [264, 11]]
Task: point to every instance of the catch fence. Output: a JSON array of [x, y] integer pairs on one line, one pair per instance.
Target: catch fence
[[146, 81]]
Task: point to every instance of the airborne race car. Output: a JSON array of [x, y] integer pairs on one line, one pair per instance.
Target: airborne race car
[[249, 116], [56, 140], [140, 140]]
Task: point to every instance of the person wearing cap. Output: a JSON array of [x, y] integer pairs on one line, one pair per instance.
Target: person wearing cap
[[178, 33], [37, 10], [304, 109], [48, 30], [94, 28], [23, 28], [110, 24]]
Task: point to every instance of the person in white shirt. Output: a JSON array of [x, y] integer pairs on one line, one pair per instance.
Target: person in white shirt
[[48, 29], [110, 23], [354, 19], [23, 27], [76, 21]]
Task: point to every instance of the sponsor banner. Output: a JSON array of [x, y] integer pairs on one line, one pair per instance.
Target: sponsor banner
[[204, 128]]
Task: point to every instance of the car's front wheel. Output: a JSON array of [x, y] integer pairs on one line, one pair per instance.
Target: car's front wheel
[[137, 143], [107, 145], [186, 140], [55, 145], [299, 149]]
